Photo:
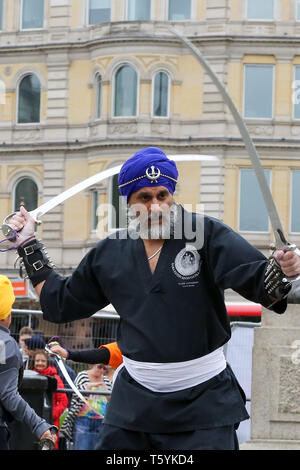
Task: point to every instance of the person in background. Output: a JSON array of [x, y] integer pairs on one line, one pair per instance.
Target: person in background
[[84, 421], [25, 333], [60, 400], [12, 405]]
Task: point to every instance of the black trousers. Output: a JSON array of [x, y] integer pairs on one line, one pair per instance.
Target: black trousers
[[4, 438], [115, 438]]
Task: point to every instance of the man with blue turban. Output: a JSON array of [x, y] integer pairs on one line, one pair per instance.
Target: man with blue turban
[[174, 390]]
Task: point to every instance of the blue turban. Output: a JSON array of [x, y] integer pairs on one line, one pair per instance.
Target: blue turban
[[149, 167]]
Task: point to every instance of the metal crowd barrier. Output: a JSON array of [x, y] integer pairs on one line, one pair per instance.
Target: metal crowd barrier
[[93, 332], [238, 353]]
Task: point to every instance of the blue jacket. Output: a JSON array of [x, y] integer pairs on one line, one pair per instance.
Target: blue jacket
[[12, 405]]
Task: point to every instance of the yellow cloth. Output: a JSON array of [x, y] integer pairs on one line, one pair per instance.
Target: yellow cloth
[[7, 297]]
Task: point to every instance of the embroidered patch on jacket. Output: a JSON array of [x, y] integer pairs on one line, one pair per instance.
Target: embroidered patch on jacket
[[187, 263]]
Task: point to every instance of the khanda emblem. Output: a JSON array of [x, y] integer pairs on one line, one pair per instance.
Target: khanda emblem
[[153, 174]]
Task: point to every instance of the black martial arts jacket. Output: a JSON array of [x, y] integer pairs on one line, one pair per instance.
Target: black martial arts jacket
[[176, 314]]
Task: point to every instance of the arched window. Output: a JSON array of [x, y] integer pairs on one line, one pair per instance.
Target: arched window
[[26, 193], [161, 94], [98, 95], [139, 10], [125, 91], [29, 99]]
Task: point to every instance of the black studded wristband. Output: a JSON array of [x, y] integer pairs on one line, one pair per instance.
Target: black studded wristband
[[275, 282], [35, 260]]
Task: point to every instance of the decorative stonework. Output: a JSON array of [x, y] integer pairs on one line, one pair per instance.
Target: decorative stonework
[[159, 128], [28, 135], [12, 169], [104, 62], [289, 396], [124, 128], [261, 130]]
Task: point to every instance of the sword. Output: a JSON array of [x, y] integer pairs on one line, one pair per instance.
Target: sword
[[66, 375], [281, 240], [60, 198]]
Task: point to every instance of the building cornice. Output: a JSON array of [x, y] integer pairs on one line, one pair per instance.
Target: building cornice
[[146, 39], [175, 143]]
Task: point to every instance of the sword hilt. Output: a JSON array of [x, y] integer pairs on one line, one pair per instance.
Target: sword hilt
[[8, 231], [47, 443], [51, 353]]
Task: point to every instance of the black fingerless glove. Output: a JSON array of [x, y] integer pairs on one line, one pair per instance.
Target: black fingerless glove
[[275, 282], [34, 258]]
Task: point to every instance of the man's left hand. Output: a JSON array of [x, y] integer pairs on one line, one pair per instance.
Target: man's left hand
[[289, 262]]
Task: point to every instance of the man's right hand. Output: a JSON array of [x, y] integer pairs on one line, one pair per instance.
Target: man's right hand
[[59, 350], [23, 223], [48, 435]]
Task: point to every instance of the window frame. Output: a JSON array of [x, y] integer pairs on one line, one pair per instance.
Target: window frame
[[96, 95], [259, 19], [2, 15], [112, 229], [113, 97], [260, 232], [87, 20], [273, 91], [94, 216], [33, 29], [291, 201], [153, 95], [18, 98], [294, 79], [297, 9], [150, 13], [192, 4]]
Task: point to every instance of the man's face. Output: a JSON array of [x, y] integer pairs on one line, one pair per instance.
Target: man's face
[[149, 212], [7, 321], [22, 342]]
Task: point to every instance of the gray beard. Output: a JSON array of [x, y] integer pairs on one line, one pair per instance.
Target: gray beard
[[138, 225]]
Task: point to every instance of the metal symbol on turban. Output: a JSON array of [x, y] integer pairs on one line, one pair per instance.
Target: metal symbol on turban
[[154, 175]]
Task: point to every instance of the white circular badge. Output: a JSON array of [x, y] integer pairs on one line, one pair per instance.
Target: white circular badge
[[187, 262]]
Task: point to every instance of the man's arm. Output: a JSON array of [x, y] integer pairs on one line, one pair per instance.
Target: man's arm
[[236, 264], [62, 299], [38, 288]]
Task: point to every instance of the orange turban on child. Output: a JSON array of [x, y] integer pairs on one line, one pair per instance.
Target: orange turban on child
[[7, 297]]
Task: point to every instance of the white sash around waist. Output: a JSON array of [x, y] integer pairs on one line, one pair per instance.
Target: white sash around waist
[[174, 376]]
